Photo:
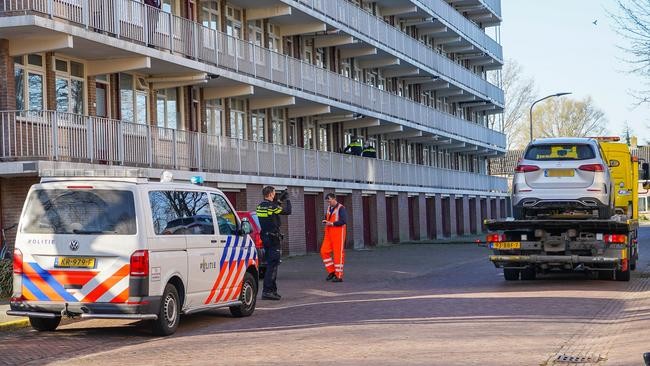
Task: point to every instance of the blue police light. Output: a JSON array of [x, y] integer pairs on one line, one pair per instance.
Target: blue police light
[[198, 180]]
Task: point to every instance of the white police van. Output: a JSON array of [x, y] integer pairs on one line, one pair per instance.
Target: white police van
[[128, 248]]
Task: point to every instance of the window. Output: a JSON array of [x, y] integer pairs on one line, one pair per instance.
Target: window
[[65, 211], [292, 133], [225, 216], [28, 76], [167, 108], [102, 96], [233, 22], [69, 86], [210, 15], [322, 138], [277, 115], [237, 118], [214, 116], [258, 119], [309, 135], [560, 152], [275, 42], [181, 213], [133, 99]]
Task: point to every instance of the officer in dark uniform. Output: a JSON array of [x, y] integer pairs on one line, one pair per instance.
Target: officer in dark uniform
[[369, 152], [354, 148], [268, 213]]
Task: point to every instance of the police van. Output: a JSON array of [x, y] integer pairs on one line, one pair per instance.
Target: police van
[[128, 248]]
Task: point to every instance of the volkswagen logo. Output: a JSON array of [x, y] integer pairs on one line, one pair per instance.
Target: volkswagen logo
[[74, 245]]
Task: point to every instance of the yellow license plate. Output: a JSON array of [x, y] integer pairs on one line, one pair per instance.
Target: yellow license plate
[[74, 262], [560, 172], [507, 245]]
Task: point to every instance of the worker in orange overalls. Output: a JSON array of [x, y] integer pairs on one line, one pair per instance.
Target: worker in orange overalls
[[334, 240]]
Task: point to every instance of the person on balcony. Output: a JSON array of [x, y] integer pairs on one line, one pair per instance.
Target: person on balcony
[[369, 151], [354, 147]]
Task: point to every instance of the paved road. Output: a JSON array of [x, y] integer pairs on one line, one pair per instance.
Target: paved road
[[399, 305]]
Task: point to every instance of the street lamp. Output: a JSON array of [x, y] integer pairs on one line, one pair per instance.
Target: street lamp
[[537, 101]]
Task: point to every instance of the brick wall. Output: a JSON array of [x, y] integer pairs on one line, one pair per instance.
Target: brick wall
[[355, 230], [380, 204], [423, 216], [13, 192], [8, 89], [466, 215], [92, 96], [295, 241], [452, 216], [439, 212], [403, 218], [50, 77]]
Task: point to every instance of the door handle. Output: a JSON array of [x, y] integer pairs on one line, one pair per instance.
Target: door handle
[[213, 241]]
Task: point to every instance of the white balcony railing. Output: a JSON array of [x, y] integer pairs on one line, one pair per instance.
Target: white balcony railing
[[31, 135], [133, 21], [350, 15]]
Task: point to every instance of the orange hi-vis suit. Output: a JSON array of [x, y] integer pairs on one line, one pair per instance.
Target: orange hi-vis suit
[[334, 241]]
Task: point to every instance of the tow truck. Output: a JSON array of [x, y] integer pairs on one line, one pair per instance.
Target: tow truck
[[609, 247]]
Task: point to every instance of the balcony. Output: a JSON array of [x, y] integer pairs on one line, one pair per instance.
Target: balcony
[[59, 136], [404, 46], [134, 22]]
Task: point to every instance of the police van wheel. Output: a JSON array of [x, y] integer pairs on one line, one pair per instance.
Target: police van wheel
[[45, 324], [169, 313], [248, 297]]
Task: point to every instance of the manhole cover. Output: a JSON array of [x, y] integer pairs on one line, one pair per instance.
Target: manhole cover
[[578, 359]]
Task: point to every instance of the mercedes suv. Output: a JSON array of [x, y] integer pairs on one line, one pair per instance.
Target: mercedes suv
[[560, 176]]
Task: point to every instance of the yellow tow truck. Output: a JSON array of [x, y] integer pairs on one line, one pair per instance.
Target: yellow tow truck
[[524, 248]]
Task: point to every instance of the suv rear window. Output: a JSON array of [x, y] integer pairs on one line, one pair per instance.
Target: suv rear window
[[560, 152], [64, 211]]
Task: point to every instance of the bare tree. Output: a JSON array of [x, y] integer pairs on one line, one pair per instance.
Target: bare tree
[[566, 117], [633, 22], [519, 95]]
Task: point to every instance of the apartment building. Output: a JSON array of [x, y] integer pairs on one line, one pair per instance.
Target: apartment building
[[249, 92]]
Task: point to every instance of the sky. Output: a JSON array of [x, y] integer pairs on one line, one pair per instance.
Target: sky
[[558, 46]]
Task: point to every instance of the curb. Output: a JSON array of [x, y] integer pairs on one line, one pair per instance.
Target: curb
[[14, 324]]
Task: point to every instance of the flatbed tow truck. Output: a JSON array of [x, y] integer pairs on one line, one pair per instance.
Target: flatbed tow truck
[[524, 248]]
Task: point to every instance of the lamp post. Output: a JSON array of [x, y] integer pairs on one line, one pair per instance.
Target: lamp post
[[537, 101]]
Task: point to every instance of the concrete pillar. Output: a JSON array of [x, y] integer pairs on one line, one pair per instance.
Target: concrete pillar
[[382, 236], [498, 204], [452, 216], [438, 206], [8, 89], [252, 197], [466, 222], [403, 217], [479, 222], [295, 242], [423, 216], [356, 213]]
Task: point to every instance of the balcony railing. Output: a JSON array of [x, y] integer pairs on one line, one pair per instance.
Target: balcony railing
[[494, 6], [420, 54], [133, 21], [31, 135]]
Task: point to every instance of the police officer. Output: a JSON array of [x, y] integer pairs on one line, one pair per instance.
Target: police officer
[[268, 213], [354, 148], [369, 152]]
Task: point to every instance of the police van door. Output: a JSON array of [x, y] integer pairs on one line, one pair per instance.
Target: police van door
[[203, 249]]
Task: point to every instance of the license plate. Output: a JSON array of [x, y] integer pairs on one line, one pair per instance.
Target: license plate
[[74, 262], [506, 245], [560, 172]]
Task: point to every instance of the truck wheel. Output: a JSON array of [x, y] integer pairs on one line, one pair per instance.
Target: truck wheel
[[169, 313], [623, 276], [606, 275], [248, 296], [528, 274], [511, 274], [45, 324]]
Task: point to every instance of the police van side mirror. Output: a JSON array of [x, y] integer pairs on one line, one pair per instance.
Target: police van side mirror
[[246, 227]]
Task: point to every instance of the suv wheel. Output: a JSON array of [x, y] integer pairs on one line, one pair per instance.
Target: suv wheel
[[169, 313], [248, 297]]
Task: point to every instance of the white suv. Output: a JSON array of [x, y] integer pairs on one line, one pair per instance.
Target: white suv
[[560, 176]]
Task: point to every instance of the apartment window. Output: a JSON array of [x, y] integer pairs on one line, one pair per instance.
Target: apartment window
[[210, 15], [309, 135], [258, 122], [308, 50], [275, 40], [29, 74], [237, 118], [234, 22], [69, 86], [255, 33], [133, 99], [278, 124], [322, 138], [214, 116], [102, 96], [168, 6], [167, 108], [426, 158], [383, 150], [292, 133]]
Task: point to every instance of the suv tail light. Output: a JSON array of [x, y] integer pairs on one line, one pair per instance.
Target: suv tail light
[[140, 263], [492, 238], [615, 238], [592, 167], [18, 262], [526, 168]]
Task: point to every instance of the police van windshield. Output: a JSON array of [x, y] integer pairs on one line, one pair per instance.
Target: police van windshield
[[65, 211]]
